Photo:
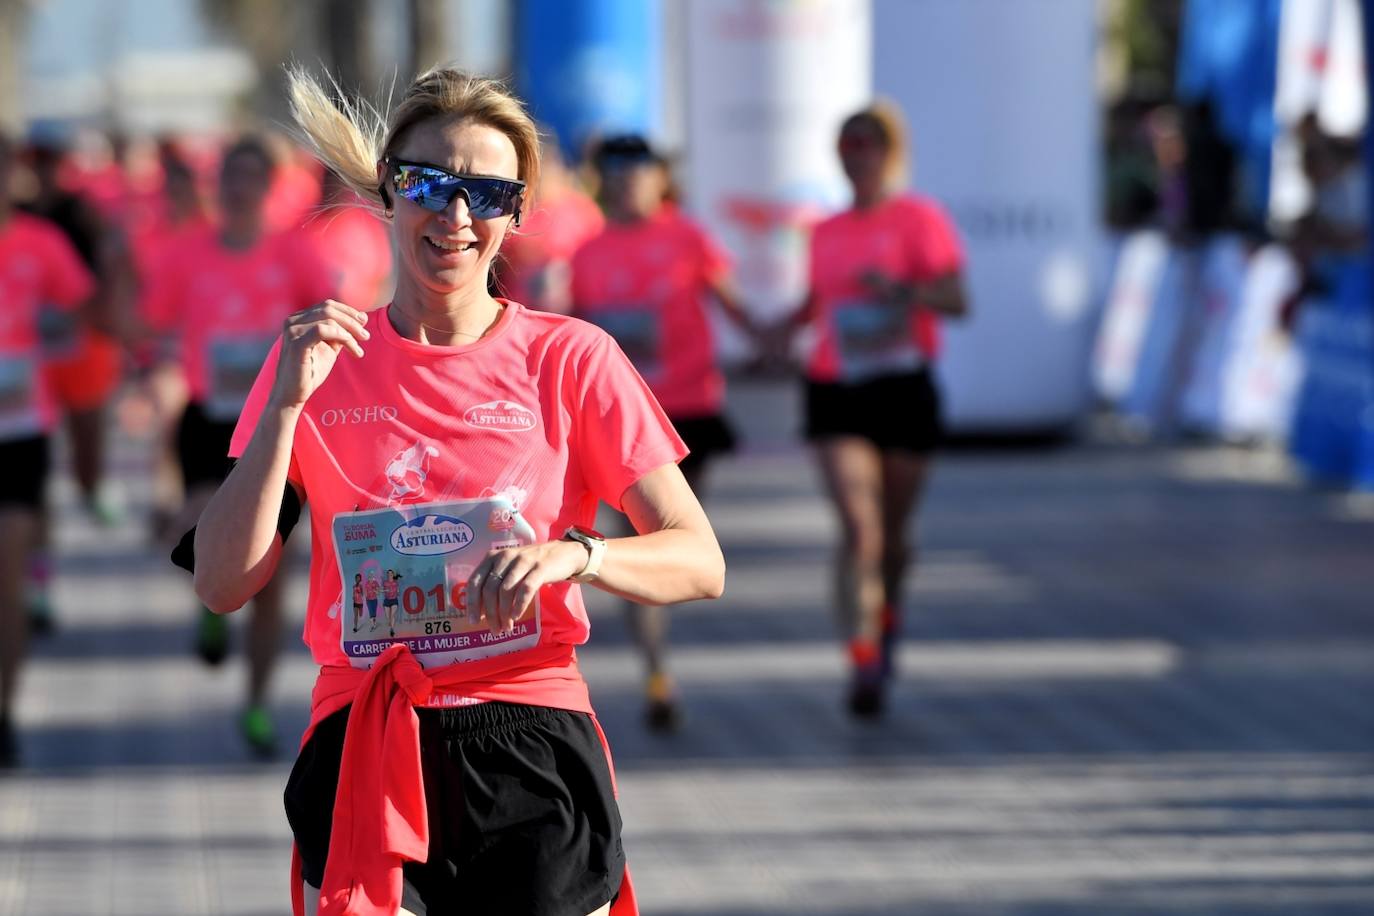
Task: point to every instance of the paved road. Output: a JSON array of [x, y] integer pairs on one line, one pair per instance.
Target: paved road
[[1139, 682]]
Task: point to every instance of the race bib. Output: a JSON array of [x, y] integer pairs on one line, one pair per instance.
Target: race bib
[[58, 332], [412, 564], [874, 338], [19, 397], [638, 333], [234, 366]]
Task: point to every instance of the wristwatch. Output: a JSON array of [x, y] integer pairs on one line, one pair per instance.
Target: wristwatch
[[595, 543]]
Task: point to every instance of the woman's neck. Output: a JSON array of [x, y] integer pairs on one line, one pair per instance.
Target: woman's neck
[[241, 234], [445, 320], [627, 216], [868, 198]]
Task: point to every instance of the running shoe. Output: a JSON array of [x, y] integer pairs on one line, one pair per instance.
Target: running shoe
[[662, 708], [9, 745], [868, 686], [212, 637], [259, 732], [42, 621], [106, 506]]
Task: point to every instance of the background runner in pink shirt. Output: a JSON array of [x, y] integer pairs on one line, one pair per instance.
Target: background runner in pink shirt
[[225, 295], [40, 273], [349, 239], [161, 393], [448, 420], [882, 275], [648, 279], [535, 267]]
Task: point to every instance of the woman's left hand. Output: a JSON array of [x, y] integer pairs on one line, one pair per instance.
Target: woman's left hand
[[505, 584]]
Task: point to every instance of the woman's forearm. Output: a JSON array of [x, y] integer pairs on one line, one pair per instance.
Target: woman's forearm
[[944, 295], [237, 545], [663, 567]]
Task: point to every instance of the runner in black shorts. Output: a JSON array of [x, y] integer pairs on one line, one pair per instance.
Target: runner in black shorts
[[41, 276], [462, 442], [224, 296], [882, 275], [649, 278]]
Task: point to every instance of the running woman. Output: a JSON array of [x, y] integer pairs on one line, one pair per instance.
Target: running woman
[[464, 772], [373, 589], [883, 274], [391, 591], [183, 217], [648, 278], [86, 371], [357, 600], [81, 360], [39, 270], [225, 298]]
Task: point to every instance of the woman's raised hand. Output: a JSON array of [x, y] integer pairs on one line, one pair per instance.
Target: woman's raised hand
[[310, 345]]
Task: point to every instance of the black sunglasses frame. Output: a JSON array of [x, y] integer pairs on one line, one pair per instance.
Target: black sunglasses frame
[[393, 167]]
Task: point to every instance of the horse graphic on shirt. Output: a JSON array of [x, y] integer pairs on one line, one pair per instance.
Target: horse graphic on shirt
[[408, 469]]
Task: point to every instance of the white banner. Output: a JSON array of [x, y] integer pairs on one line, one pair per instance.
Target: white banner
[[1260, 380], [1121, 337], [1003, 111], [768, 85]]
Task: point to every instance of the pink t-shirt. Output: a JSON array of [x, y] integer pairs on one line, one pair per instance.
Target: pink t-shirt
[[907, 238], [547, 236], [353, 245], [372, 586], [545, 411], [228, 307], [156, 251], [647, 284], [391, 588], [42, 281]]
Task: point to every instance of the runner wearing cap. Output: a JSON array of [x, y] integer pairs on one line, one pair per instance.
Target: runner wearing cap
[[535, 267], [648, 279], [464, 442], [883, 274]]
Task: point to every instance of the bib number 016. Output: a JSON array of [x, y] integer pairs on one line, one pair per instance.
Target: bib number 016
[[416, 601]]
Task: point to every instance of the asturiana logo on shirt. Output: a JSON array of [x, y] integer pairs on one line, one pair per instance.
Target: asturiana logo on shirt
[[431, 535], [503, 415]]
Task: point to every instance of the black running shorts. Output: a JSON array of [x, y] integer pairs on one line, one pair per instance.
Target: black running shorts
[[894, 412], [26, 472], [203, 448], [522, 816], [705, 437]]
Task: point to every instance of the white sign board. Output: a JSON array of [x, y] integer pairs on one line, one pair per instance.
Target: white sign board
[[1003, 112]]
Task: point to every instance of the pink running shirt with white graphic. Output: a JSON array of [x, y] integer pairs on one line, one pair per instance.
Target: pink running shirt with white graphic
[[544, 409]]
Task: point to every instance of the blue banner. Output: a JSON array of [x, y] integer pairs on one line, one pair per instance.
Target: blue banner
[[1333, 425], [589, 67]]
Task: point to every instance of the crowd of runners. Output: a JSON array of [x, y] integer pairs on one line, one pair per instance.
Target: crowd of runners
[[445, 348]]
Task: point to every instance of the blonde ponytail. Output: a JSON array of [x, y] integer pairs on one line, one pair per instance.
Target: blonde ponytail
[[351, 136], [346, 135]]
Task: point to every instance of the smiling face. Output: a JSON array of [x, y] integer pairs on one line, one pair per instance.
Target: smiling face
[[245, 178], [450, 252], [633, 189], [863, 153]]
